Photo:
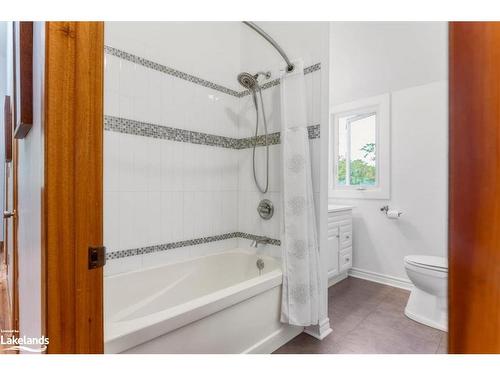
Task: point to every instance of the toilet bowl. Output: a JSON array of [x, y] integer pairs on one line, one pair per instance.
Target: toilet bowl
[[428, 299]]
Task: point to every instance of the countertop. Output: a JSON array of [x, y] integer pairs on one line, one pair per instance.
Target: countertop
[[338, 207]]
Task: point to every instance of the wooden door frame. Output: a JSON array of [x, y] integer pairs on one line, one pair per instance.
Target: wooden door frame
[[474, 187], [73, 182]]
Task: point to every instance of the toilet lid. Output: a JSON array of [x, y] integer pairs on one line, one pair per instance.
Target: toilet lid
[[428, 261]]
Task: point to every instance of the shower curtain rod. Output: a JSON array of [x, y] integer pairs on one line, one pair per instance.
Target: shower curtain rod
[[272, 42]]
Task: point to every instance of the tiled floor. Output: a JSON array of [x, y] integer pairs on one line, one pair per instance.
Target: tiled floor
[[368, 318]]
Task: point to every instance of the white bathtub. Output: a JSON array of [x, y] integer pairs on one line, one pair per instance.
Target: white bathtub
[[213, 304]]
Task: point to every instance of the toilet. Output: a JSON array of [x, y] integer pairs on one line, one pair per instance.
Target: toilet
[[428, 299]]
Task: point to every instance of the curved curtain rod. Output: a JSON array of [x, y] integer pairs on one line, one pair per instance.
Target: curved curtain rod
[[272, 42]]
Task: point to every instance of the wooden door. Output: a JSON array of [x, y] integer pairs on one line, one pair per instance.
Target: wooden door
[[73, 180], [474, 201]]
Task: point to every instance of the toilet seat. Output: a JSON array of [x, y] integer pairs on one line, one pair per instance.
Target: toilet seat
[[429, 262]]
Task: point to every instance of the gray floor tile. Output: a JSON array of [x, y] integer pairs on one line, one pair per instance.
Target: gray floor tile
[[367, 318]]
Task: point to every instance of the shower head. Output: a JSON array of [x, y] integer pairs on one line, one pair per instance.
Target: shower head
[[248, 81]]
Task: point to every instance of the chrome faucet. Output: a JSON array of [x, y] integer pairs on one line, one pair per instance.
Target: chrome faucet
[[263, 240]]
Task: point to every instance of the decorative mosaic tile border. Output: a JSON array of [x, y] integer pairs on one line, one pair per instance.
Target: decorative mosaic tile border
[[167, 70], [178, 244], [146, 129], [191, 78], [275, 138]]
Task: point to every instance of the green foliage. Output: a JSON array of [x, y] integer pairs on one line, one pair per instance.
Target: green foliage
[[369, 148], [361, 172], [341, 171]]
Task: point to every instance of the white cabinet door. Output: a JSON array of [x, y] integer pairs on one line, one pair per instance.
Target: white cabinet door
[[332, 259]]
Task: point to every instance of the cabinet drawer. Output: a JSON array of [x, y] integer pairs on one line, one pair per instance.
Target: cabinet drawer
[[345, 259], [345, 239]]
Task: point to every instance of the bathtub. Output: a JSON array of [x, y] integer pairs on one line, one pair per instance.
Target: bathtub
[[212, 304]]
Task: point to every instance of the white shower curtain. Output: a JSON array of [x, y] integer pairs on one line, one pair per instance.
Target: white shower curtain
[[301, 276]]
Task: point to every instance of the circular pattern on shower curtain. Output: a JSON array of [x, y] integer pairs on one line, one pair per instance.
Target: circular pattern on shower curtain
[[296, 163], [296, 205]]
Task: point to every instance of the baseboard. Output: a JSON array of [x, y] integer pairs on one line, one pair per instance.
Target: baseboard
[[332, 280], [396, 282], [275, 340]]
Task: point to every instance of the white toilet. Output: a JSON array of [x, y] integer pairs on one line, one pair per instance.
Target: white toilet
[[428, 299]]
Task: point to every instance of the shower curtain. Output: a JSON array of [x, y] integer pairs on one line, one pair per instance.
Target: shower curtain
[[301, 276]]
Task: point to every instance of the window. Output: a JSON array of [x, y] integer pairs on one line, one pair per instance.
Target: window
[[360, 149]]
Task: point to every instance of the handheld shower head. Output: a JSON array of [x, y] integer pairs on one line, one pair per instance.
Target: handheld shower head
[[248, 81]]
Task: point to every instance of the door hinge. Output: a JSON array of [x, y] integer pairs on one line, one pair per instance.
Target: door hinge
[[97, 257]]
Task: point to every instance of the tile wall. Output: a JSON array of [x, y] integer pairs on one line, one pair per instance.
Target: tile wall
[[182, 174]]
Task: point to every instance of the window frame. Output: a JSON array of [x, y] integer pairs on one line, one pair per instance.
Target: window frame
[[380, 106]]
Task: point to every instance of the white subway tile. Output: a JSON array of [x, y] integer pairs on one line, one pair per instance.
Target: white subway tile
[[112, 161], [126, 106], [111, 73], [152, 214], [165, 257], [112, 221], [154, 167], [172, 165], [167, 100], [189, 215], [111, 102], [121, 265], [128, 78], [128, 147], [129, 236], [141, 230], [172, 213]]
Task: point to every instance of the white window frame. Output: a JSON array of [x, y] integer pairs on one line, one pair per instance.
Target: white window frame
[[380, 105]]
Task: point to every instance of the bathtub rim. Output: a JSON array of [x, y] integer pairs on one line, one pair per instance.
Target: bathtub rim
[[128, 334]]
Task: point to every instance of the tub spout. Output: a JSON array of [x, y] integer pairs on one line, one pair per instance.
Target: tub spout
[[260, 241]]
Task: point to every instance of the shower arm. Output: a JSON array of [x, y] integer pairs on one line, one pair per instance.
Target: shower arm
[[271, 41]]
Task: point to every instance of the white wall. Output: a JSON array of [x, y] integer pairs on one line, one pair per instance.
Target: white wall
[[370, 58], [7, 175], [409, 61], [30, 183], [3, 92]]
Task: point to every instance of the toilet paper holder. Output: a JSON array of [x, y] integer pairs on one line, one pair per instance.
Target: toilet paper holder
[[386, 210]]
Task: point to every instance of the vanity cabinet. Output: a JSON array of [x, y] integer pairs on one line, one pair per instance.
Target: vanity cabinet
[[339, 250]]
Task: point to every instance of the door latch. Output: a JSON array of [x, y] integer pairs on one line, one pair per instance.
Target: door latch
[[97, 257], [9, 214]]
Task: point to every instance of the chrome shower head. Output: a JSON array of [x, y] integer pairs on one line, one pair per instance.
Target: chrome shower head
[[248, 81]]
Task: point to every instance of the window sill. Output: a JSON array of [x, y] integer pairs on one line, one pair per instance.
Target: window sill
[[358, 194]]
